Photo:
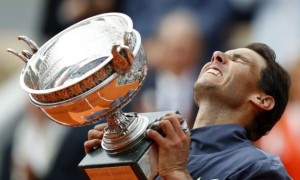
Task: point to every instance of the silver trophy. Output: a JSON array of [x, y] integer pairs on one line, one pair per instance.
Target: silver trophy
[[86, 73]]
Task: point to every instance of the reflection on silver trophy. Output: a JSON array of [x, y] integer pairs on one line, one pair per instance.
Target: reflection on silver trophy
[[86, 73]]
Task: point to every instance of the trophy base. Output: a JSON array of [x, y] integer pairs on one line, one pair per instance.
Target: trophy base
[[134, 163]]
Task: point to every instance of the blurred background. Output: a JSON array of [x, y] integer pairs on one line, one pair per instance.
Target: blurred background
[[178, 36]]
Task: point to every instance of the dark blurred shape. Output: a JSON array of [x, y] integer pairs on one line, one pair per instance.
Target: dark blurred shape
[[60, 14], [38, 148]]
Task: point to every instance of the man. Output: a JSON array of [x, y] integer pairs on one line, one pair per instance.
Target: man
[[241, 94]]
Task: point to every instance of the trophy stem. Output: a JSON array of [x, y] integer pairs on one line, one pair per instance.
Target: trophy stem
[[118, 123], [123, 131]]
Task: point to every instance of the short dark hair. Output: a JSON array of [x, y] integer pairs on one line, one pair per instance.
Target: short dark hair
[[274, 81]]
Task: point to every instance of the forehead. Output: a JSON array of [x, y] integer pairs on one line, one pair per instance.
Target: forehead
[[251, 56]]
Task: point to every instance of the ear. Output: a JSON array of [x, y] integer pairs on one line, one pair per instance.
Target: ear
[[263, 102]]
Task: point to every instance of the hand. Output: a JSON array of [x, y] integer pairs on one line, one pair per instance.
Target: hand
[[173, 148], [94, 137]]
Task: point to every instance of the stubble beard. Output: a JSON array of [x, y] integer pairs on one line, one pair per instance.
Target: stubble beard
[[204, 91]]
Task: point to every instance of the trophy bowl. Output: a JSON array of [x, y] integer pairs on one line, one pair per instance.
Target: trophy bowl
[[89, 72]]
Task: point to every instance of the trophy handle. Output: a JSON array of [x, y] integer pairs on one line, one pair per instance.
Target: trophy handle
[[122, 59], [25, 55]]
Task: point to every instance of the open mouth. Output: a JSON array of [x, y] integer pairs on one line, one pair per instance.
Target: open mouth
[[214, 71]]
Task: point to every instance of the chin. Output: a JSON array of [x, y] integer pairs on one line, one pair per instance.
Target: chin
[[201, 85], [203, 89]]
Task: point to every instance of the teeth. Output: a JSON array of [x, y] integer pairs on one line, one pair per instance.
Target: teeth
[[214, 72]]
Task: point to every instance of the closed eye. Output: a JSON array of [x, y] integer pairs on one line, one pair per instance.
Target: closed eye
[[243, 60], [237, 57]]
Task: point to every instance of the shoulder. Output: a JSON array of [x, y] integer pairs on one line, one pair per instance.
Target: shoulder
[[268, 166]]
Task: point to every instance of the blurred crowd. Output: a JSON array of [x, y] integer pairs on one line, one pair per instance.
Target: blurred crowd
[[178, 37]]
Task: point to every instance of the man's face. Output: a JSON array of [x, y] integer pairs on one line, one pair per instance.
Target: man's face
[[230, 77]]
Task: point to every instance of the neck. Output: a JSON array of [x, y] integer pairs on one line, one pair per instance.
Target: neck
[[211, 113]]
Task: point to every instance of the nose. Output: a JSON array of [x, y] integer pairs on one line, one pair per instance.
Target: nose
[[219, 57]]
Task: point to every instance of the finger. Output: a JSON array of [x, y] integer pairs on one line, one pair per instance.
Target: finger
[[171, 114], [89, 145], [167, 128], [95, 134], [175, 122], [178, 116], [155, 136], [100, 127]]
